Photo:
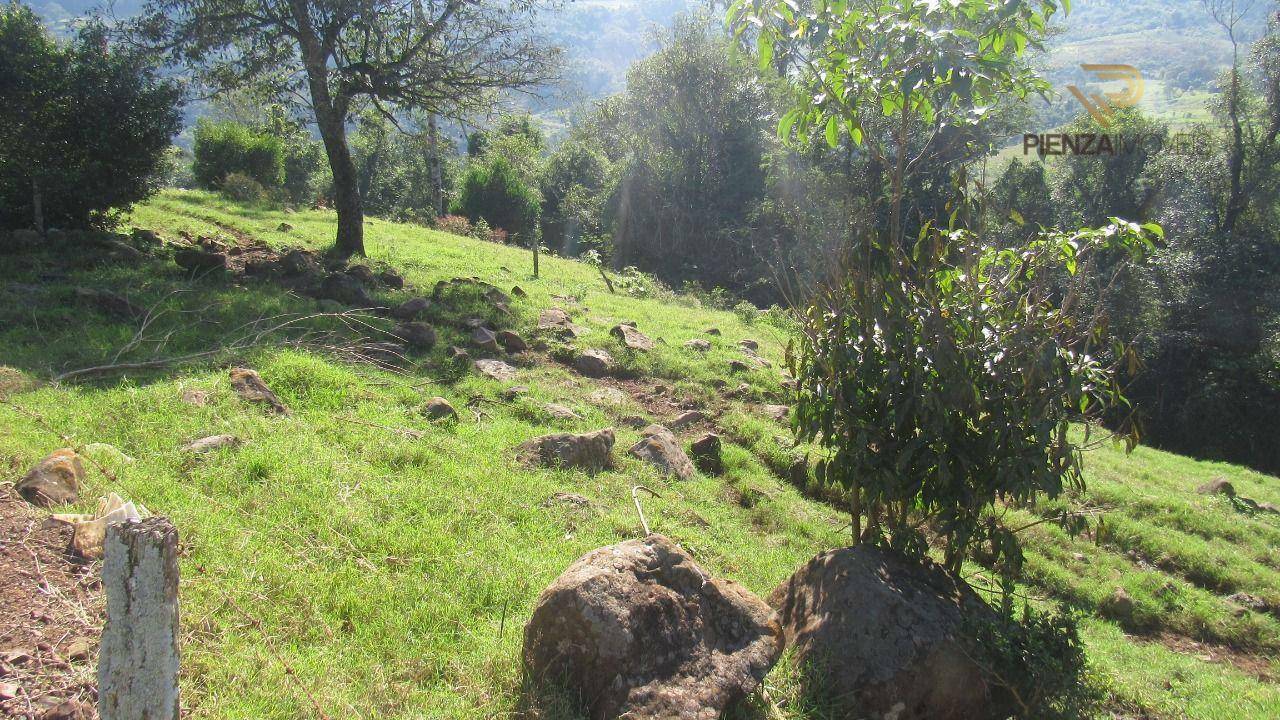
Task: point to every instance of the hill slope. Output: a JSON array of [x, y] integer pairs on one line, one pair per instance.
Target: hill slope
[[336, 565]]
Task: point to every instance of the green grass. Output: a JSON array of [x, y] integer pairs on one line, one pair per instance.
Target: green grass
[[332, 563]]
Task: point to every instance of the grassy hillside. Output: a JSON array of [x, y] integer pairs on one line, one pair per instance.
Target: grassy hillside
[[336, 566]]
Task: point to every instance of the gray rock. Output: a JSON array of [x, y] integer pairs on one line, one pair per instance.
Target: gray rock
[[777, 412], [201, 262], [391, 279], [485, 339], [638, 630], [512, 342], [440, 409], [751, 345], [54, 480], [417, 335], [594, 363], [698, 345], [592, 452], [209, 444], [631, 338], [560, 412], [343, 288], [557, 322], [458, 355], [661, 448], [880, 636], [299, 262], [707, 454], [411, 309], [687, 419], [1217, 486], [363, 274], [496, 370]]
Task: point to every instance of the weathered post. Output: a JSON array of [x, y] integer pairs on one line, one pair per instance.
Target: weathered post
[[138, 660]]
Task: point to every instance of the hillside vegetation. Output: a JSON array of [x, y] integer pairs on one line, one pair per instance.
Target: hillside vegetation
[[355, 559]]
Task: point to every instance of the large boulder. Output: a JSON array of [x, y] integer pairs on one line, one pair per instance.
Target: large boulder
[[592, 452], [882, 637], [594, 363], [638, 630], [660, 447], [55, 480]]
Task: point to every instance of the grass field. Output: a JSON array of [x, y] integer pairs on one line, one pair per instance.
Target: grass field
[[336, 568]]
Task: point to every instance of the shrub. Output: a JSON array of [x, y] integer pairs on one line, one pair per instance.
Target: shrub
[[226, 147], [85, 127], [242, 188], [492, 191], [454, 225]]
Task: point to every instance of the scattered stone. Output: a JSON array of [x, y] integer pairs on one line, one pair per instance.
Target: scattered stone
[[798, 473], [1080, 557], [660, 447], [591, 452], [1217, 486], [687, 419], [343, 288], [557, 322], [77, 649], [69, 710], [631, 338], [497, 297], [707, 454], [514, 392], [640, 631], [519, 292], [144, 236], [248, 384], [110, 303], [209, 444], [54, 480], [698, 345], [755, 359], [299, 262], [198, 398], [391, 279], [496, 370], [284, 227], [417, 335], [712, 331], [777, 412], [567, 499], [635, 422], [363, 274], [751, 345], [512, 342], [440, 409], [458, 355], [485, 339], [1117, 606], [560, 412], [472, 323], [1250, 602], [790, 384], [201, 262], [883, 636], [411, 309], [738, 366], [609, 396], [594, 363], [1267, 507]]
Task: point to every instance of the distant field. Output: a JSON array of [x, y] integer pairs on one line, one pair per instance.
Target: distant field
[[395, 574]]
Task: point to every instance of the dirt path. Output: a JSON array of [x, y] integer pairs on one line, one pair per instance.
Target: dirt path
[[51, 613]]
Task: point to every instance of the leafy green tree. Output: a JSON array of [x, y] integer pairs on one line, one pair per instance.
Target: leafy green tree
[[226, 147], [444, 57], [493, 191], [85, 127], [395, 168]]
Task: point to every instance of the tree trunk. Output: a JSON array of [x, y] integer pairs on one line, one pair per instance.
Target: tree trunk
[[346, 189], [437, 172], [37, 205]]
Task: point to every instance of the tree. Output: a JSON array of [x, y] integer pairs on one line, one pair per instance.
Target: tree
[[493, 191], [84, 127], [444, 57], [226, 147]]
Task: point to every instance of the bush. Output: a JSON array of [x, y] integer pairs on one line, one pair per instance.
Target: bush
[[242, 188], [85, 127], [492, 191], [226, 147], [454, 225]]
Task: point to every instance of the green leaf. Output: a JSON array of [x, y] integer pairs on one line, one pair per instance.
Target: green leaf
[[833, 131]]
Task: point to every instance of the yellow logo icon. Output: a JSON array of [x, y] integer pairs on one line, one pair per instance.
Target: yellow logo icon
[[1103, 106]]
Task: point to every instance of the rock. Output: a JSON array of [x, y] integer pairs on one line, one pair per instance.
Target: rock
[[519, 292], [1267, 507], [485, 339], [458, 355], [635, 422], [1118, 605], [299, 262], [638, 630], [9, 690], [343, 288], [472, 323], [712, 331], [417, 335], [69, 710], [1217, 486], [512, 342], [249, 385], [54, 480], [440, 409], [687, 419], [557, 322], [201, 262], [411, 309], [567, 499], [798, 473], [660, 447], [748, 344], [391, 279], [594, 363], [738, 366], [110, 303], [777, 412], [496, 370], [609, 396], [631, 338], [591, 452], [363, 274], [698, 345], [284, 227], [77, 649], [144, 236], [209, 444], [882, 636], [198, 398], [1250, 602], [560, 412], [512, 393], [497, 297], [706, 452]]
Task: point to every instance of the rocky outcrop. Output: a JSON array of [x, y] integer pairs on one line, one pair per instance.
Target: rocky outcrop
[[661, 448], [638, 630], [592, 452]]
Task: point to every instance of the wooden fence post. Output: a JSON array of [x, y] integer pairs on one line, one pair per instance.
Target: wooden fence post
[[138, 659]]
